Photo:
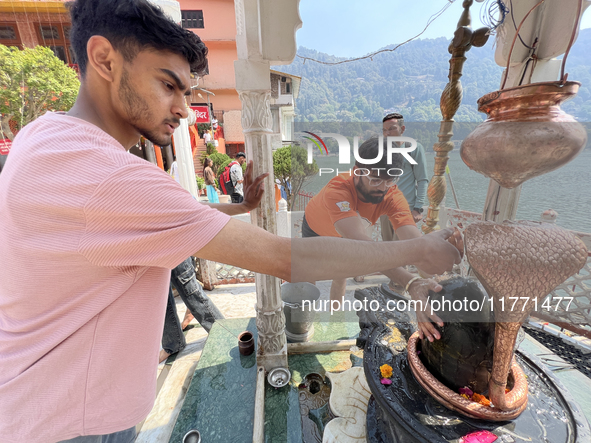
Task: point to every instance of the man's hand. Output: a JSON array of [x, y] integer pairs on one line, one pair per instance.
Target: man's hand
[[253, 189], [437, 255], [419, 291], [416, 215]]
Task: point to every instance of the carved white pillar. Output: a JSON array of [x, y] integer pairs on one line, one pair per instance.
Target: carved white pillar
[[265, 35], [270, 321]]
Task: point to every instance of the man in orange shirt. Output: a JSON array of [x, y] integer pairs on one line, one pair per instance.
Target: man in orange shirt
[[350, 203]]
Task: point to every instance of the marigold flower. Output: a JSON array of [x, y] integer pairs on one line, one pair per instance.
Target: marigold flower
[[386, 371], [481, 399]]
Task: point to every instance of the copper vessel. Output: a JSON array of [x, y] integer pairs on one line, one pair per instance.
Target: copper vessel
[[526, 133]]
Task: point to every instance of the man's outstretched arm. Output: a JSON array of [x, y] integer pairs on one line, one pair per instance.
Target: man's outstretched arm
[[322, 258]]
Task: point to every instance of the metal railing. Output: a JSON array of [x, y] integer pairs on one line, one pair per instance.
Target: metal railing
[[301, 200]]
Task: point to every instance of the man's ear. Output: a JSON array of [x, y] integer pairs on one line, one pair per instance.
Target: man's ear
[[102, 57], [402, 129]]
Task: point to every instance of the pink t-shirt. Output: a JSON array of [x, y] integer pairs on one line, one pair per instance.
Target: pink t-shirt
[[88, 235]]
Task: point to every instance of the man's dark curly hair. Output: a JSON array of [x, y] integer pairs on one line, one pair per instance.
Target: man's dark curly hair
[[132, 26]]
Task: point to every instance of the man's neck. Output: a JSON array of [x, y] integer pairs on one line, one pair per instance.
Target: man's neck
[[98, 111]]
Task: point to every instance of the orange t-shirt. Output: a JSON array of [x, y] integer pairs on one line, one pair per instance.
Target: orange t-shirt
[[339, 200]]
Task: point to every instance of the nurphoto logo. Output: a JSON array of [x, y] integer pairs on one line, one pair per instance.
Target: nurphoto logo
[[394, 145]]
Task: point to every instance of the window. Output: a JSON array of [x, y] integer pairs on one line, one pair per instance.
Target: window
[[9, 35], [192, 19], [56, 37]]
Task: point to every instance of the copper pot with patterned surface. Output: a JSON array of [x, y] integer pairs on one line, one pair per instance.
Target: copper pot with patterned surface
[[526, 133]]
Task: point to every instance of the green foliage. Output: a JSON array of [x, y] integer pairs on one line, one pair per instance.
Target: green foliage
[[409, 80], [209, 150], [33, 81], [202, 127], [290, 164], [219, 160], [200, 182]]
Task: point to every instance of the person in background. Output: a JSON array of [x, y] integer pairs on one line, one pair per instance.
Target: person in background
[[237, 178], [349, 204], [414, 181], [207, 137], [174, 170], [199, 306], [208, 175]]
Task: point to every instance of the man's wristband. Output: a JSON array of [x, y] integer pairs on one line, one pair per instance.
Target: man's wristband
[[419, 210], [410, 282]]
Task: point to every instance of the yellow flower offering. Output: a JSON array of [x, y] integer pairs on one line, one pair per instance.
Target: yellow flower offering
[[386, 371]]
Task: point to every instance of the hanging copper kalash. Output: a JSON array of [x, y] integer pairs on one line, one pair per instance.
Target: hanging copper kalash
[[525, 135]]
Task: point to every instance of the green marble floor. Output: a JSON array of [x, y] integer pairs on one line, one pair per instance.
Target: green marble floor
[[220, 400]]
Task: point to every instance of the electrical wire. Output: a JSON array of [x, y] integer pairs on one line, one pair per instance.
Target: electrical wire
[[370, 56], [515, 25], [490, 12]]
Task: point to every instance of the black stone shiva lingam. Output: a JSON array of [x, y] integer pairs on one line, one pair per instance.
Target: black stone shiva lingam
[[419, 406]]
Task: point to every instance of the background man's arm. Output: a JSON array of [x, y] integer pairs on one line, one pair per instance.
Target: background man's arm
[[352, 227], [422, 180]]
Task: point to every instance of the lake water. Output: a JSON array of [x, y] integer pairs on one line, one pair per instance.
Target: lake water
[[566, 190]]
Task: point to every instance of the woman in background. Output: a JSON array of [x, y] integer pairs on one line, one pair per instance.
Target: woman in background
[[209, 177]]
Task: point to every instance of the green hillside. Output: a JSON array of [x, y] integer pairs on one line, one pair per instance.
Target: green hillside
[[410, 80]]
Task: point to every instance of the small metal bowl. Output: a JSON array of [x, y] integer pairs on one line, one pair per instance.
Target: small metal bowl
[[193, 436], [279, 377]]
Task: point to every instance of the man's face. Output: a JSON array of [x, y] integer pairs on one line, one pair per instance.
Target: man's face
[[368, 193], [241, 160], [151, 93], [392, 128]]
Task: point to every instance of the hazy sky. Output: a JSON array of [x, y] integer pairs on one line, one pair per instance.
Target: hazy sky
[[350, 28]]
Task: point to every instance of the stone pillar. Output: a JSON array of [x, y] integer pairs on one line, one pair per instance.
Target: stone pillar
[[184, 158], [265, 35], [270, 321]]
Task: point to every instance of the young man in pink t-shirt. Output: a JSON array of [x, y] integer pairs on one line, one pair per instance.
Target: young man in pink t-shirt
[[96, 231]]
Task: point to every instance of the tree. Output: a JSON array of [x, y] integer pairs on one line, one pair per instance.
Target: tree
[[220, 161], [33, 81], [292, 169]]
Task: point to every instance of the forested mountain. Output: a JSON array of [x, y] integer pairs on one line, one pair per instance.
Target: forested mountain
[[410, 80]]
